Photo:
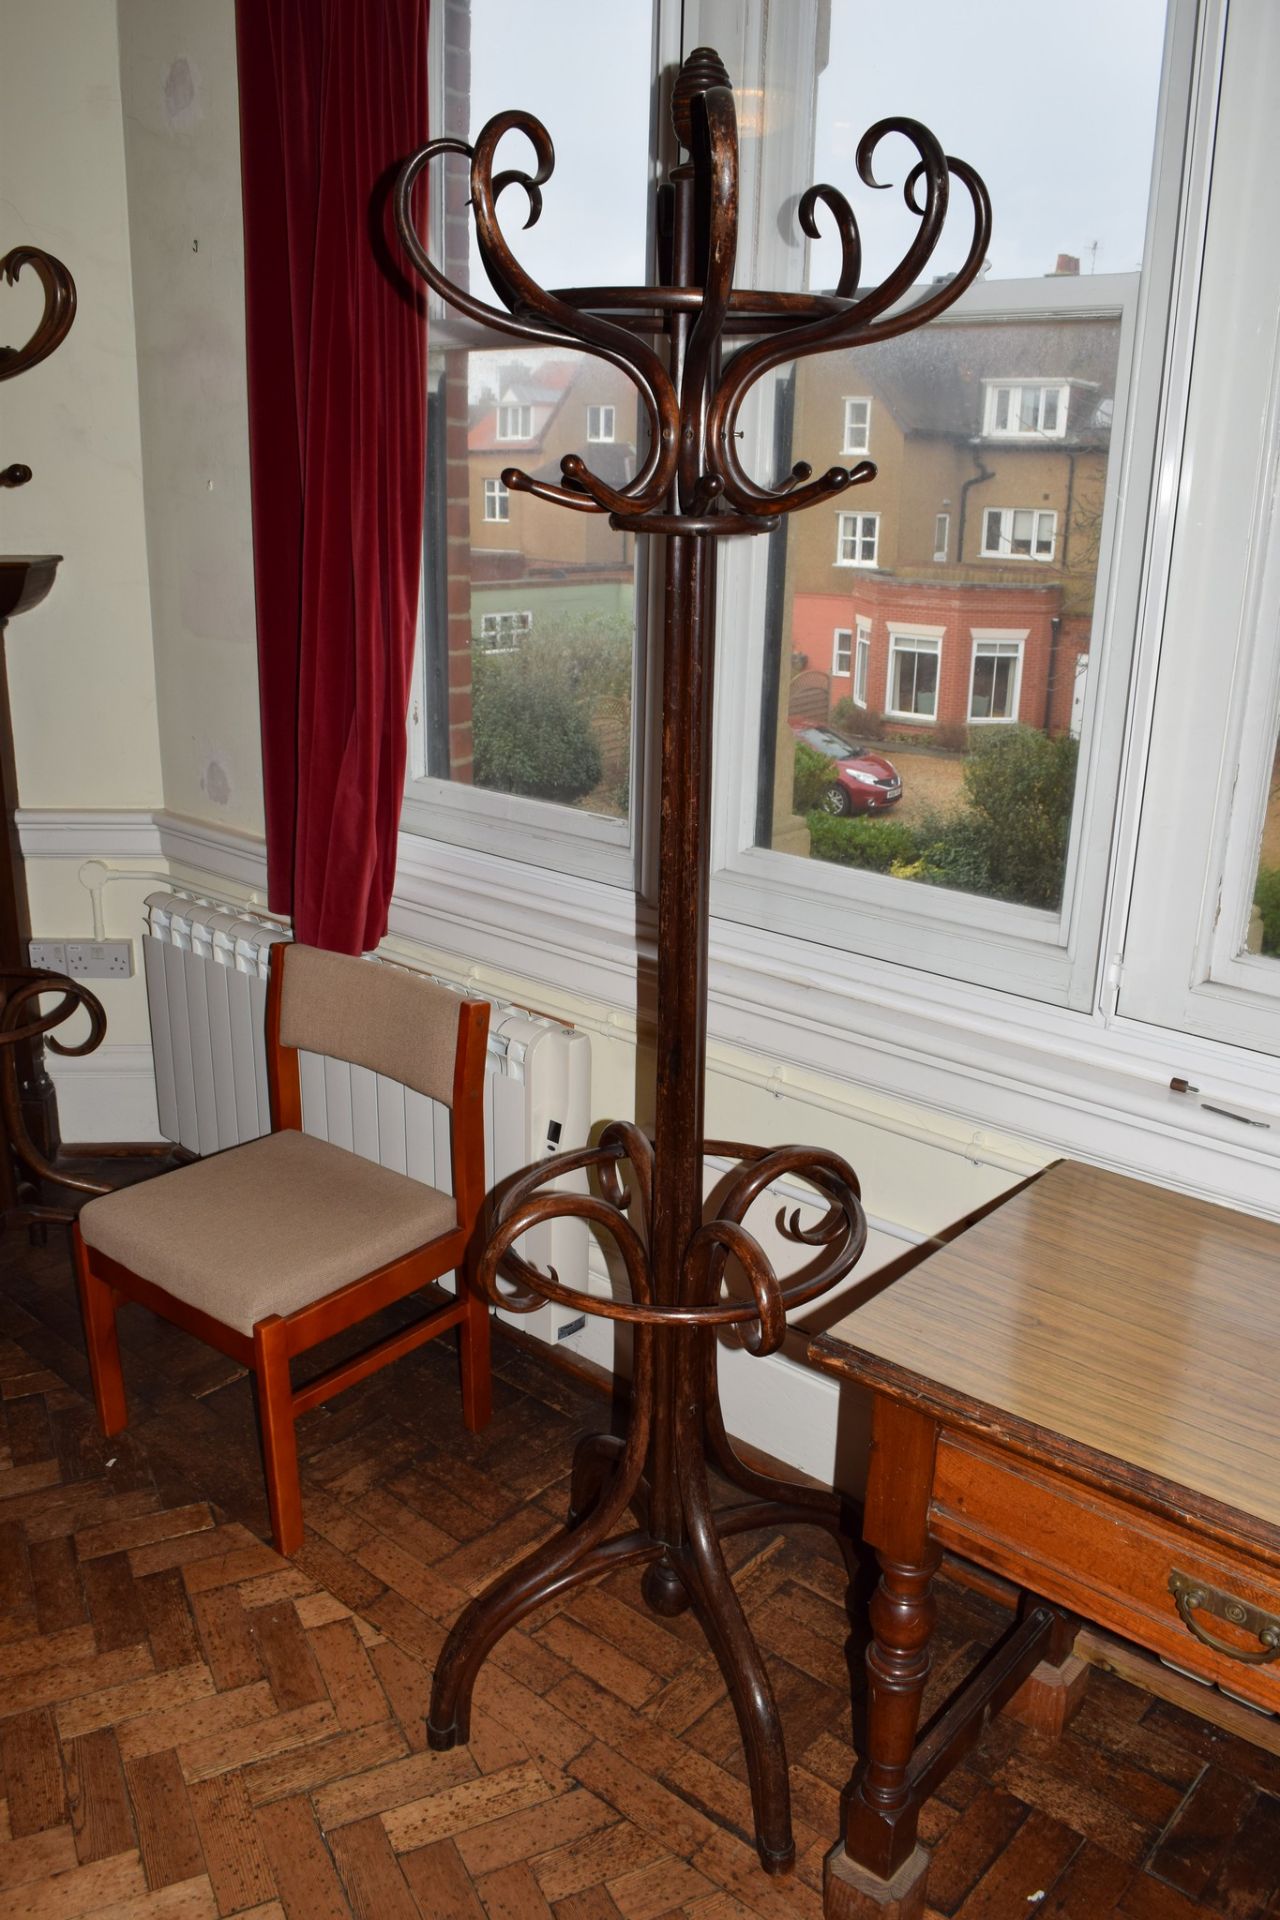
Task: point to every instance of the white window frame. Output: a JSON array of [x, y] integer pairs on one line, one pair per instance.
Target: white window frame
[[1003, 550], [1042, 388], [851, 529], [905, 637], [861, 663], [933, 933], [984, 638], [601, 422], [857, 424], [497, 503], [889, 995], [1198, 782], [523, 422], [497, 628], [842, 653], [941, 536]]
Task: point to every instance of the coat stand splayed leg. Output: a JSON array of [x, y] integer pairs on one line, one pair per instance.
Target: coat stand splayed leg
[[690, 492]]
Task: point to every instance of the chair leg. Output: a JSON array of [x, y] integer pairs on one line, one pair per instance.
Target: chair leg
[[279, 1441], [473, 1348], [98, 1309]]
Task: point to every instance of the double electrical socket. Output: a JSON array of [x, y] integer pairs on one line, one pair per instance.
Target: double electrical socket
[[84, 959]]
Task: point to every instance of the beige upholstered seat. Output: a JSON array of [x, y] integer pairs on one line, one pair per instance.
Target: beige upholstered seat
[[267, 1227], [272, 1248]]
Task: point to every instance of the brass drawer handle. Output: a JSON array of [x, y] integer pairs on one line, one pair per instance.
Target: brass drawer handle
[[1190, 1594]]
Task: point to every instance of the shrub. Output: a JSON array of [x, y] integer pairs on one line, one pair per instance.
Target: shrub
[[951, 736], [591, 654], [857, 723], [876, 845], [814, 775], [534, 709], [1266, 898], [954, 853], [1020, 785], [530, 730]]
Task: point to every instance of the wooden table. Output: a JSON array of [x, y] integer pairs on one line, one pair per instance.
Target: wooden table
[[1082, 1393]]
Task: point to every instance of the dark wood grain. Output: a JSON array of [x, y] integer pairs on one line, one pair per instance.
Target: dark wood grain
[[691, 490]]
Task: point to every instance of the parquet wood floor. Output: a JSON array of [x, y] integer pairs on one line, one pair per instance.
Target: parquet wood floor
[[190, 1726]]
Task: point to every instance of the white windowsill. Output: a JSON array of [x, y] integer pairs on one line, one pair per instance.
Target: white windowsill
[[1090, 1085]]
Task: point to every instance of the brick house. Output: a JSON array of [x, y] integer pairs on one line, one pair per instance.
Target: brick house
[[956, 588]]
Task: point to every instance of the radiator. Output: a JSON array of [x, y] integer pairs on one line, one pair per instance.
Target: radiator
[[206, 975]]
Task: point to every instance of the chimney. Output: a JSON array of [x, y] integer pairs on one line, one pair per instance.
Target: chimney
[[1068, 263]]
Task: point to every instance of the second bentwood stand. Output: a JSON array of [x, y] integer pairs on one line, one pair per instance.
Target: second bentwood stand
[[690, 491]]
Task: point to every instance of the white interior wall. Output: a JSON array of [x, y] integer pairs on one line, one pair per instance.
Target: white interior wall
[[80, 666], [182, 151]]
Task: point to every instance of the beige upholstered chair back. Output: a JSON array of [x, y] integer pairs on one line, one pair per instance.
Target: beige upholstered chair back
[[375, 1016]]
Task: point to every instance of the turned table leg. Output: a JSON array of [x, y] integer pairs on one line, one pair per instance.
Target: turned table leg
[[878, 1872]]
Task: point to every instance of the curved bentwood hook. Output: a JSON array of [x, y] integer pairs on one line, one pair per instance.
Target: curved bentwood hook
[[531, 313], [720, 497], [852, 320], [54, 323], [838, 1236]]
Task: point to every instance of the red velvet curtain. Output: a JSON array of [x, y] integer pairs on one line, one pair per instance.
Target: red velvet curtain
[[333, 95]]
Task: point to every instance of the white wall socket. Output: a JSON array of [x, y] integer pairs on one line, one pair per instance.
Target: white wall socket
[[85, 959]]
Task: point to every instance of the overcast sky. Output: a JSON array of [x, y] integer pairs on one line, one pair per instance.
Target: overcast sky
[[1055, 107]]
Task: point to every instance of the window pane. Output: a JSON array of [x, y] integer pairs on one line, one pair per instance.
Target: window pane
[[993, 438], [528, 661], [1262, 934], [595, 207], [983, 680]]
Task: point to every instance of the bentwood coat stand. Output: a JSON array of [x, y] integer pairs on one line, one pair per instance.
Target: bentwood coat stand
[[690, 491]]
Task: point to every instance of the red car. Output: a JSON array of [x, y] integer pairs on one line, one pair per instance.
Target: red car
[[865, 781]]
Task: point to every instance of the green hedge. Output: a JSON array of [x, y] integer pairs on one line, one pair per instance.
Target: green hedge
[[1020, 785], [874, 844], [1266, 899], [530, 732]]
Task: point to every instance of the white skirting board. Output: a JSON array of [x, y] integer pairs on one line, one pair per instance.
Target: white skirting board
[[107, 1095]]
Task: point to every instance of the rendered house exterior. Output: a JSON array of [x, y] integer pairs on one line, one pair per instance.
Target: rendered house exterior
[[956, 588]]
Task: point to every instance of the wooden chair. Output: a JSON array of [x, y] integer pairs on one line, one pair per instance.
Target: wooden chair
[[269, 1248]]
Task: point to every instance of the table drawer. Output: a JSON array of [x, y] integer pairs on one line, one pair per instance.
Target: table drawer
[[1110, 1562]]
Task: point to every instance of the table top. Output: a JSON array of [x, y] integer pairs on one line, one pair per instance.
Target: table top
[[1133, 1321]]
